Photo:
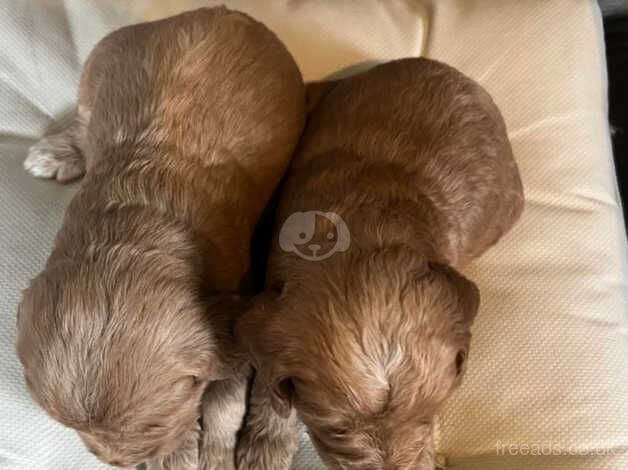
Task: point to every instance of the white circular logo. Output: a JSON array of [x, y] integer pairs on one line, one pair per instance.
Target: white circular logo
[[314, 235]]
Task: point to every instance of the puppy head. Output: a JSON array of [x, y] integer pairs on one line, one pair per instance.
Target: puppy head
[[122, 357], [366, 354]]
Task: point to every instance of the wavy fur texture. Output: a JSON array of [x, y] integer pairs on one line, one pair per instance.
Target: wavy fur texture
[[184, 128], [368, 343]]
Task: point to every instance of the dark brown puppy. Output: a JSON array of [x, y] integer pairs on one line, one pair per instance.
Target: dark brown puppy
[[185, 127], [403, 175]]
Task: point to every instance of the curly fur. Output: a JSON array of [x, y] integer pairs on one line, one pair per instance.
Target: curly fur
[[368, 343], [184, 128]]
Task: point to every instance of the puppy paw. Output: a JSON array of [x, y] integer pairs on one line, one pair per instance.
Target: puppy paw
[[55, 158], [218, 459], [171, 463], [175, 461], [265, 452], [186, 457]]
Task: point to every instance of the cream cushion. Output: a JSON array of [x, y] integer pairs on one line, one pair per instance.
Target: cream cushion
[[548, 370], [549, 361]]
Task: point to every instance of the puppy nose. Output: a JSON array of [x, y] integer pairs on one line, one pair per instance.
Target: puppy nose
[[314, 247]]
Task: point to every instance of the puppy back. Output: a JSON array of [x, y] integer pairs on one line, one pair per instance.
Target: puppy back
[[411, 135]]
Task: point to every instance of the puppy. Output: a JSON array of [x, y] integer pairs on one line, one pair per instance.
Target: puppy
[[404, 173], [184, 128]]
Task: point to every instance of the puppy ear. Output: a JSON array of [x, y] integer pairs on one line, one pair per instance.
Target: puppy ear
[[468, 297], [255, 320], [467, 292], [223, 312], [281, 391], [258, 336]]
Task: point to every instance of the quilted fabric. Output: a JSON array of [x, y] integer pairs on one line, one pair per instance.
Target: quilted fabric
[[547, 385], [548, 373]]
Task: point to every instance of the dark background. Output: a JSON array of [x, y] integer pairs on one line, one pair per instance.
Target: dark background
[[616, 34]]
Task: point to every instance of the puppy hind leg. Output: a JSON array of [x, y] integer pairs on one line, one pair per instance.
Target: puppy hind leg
[[267, 440], [59, 156], [429, 460], [223, 408]]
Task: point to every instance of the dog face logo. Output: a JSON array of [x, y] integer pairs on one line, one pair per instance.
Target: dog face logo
[[314, 235]]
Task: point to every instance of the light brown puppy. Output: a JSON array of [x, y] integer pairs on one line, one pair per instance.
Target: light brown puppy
[[184, 128], [403, 175]]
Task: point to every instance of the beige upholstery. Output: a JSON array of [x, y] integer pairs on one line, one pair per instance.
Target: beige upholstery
[[549, 361], [548, 372]]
